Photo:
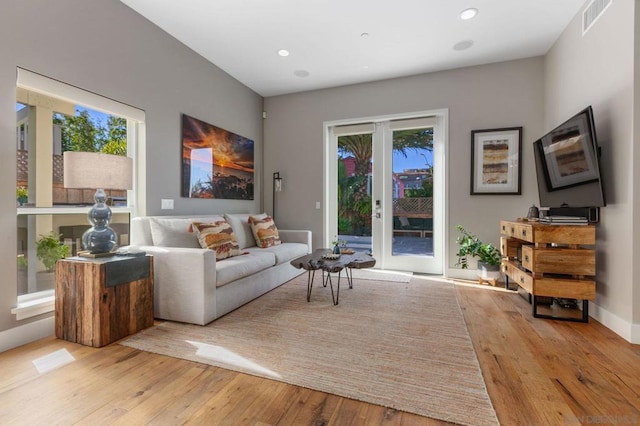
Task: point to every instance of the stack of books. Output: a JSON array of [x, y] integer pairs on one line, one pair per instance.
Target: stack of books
[[564, 220]]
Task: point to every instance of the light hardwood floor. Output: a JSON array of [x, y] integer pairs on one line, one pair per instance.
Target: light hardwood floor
[[537, 371]]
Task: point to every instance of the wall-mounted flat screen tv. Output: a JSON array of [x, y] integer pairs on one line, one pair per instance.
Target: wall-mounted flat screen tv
[[567, 164]]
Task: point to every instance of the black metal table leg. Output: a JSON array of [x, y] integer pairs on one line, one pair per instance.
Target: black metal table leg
[[349, 273], [337, 294], [310, 276]]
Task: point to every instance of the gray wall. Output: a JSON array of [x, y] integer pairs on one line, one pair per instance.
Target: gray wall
[[484, 97], [105, 47], [598, 70]]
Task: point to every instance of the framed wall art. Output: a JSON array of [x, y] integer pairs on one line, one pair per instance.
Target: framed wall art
[[216, 163], [495, 161]]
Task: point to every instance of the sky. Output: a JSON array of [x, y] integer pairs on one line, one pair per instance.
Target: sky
[[412, 161]]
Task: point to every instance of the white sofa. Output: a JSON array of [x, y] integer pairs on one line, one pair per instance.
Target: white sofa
[[191, 286]]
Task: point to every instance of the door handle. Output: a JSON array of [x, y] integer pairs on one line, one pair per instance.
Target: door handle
[[378, 212]]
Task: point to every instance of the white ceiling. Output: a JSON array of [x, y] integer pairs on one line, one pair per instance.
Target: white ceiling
[[324, 37]]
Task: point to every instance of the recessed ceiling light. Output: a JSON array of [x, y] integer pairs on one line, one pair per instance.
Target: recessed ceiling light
[[364, 35], [301, 73], [463, 45], [468, 13], [283, 52]]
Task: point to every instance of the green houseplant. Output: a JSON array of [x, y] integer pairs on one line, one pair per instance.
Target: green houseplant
[[49, 250], [470, 246], [22, 194]]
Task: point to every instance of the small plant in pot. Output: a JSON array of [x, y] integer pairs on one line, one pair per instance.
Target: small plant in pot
[[22, 195], [49, 250], [488, 255]]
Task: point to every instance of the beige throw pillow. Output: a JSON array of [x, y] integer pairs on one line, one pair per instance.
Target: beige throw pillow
[[264, 231], [217, 236]]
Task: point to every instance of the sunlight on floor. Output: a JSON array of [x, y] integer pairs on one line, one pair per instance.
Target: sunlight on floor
[[225, 356], [469, 283], [381, 274], [53, 360]]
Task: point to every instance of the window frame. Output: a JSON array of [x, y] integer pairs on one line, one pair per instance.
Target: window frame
[[41, 302]]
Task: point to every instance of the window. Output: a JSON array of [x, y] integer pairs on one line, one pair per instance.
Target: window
[[51, 118]]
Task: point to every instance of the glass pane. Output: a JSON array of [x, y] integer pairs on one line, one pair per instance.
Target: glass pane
[[37, 249], [413, 192], [354, 191], [87, 131]]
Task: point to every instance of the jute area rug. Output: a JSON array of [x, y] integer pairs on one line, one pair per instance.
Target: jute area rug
[[399, 345]]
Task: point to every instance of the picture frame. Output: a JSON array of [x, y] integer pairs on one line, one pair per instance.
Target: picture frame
[[496, 155], [216, 163]]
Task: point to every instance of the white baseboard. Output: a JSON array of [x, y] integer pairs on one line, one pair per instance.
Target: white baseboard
[[21, 335], [463, 274], [628, 331]]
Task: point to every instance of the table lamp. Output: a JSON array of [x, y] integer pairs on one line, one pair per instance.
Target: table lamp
[[91, 170]]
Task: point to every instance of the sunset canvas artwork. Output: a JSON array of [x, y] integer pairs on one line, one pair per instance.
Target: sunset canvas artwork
[[216, 163]]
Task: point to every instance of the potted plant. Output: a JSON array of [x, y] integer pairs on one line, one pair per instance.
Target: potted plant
[[337, 245], [488, 255], [22, 195], [49, 250]]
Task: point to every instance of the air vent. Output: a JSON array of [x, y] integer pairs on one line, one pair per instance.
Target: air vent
[[592, 12]]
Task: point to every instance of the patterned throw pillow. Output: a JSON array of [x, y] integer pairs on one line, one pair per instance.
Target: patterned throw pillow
[[217, 236], [264, 231]]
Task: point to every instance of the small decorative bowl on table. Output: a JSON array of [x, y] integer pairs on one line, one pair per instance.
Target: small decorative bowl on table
[[331, 256]]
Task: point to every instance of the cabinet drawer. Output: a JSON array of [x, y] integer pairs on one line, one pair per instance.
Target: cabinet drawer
[[509, 247], [520, 277], [521, 231], [559, 260], [566, 288]]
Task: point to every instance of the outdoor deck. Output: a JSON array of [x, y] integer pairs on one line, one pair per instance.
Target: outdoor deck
[[402, 245]]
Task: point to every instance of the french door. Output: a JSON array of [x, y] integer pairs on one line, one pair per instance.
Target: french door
[[384, 191]]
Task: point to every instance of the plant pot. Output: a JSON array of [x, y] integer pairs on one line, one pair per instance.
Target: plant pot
[[488, 272]]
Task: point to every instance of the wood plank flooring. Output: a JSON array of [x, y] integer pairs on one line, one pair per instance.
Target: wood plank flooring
[[538, 372]]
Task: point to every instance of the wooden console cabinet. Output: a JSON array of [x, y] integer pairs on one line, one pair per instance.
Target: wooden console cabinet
[[551, 261], [99, 301]]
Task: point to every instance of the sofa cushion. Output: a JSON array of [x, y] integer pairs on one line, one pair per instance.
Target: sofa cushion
[[172, 233], [264, 231], [241, 266], [219, 237], [284, 252], [240, 224]]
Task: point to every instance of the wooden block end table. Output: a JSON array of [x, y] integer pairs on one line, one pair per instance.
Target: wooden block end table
[[99, 301]]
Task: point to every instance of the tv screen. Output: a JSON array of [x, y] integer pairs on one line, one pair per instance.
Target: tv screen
[[567, 164]]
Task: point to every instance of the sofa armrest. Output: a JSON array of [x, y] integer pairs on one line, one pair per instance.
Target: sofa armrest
[[296, 236], [184, 283]]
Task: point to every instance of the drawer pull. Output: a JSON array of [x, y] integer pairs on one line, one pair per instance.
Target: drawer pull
[[526, 258], [513, 231], [524, 232], [522, 279]]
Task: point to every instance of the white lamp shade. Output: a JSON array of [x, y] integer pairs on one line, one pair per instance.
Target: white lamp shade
[[95, 170]]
